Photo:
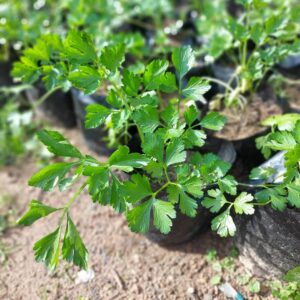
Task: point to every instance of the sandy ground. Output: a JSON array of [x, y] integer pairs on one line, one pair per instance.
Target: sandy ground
[[126, 265]]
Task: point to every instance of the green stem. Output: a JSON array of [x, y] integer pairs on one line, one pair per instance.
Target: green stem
[[45, 97], [255, 185], [166, 174], [220, 82], [179, 99], [161, 189], [72, 199]]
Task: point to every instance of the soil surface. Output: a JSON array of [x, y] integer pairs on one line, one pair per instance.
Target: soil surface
[[292, 93], [126, 265], [242, 124]]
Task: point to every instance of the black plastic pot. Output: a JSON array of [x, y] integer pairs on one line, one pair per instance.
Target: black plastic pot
[[290, 66], [58, 107], [94, 138], [5, 79], [184, 228], [269, 240]]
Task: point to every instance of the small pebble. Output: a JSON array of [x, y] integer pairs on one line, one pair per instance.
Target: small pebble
[[190, 290]]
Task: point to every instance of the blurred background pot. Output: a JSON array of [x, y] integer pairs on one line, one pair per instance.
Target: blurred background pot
[[94, 137], [58, 107], [269, 240]]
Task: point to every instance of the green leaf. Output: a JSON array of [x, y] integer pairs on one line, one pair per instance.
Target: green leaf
[[153, 76], [163, 213], [79, 47], [26, 70], [86, 79], [188, 205], [170, 116], [281, 141], [262, 173], [147, 118], [274, 23], [243, 205], [139, 217], [173, 193], [96, 115], [228, 185], [131, 83], [113, 56], [175, 152], [257, 33], [137, 189], [113, 99], [215, 280], [282, 122], [193, 185], [191, 114], [194, 138], [125, 161], [155, 169], [277, 196], [195, 89], [168, 83], [117, 200], [47, 249], [98, 181], [36, 211], [215, 202], [254, 286], [261, 144], [223, 224], [213, 121], [294, 195], [39, 52], [57, 144], [153, 145], [50, 176], [73, 249], [183, 59], [293, 275]]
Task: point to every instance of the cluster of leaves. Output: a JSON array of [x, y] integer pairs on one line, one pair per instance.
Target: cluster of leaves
[[17, 131], [285, 136], [263, 35], [23, 22], [165, 177], [290, 289], [227, 267]]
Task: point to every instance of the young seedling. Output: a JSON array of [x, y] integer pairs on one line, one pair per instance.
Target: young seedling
[[262, 36]]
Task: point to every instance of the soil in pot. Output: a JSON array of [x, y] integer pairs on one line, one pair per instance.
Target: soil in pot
[[244, 126], [58, 107]]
